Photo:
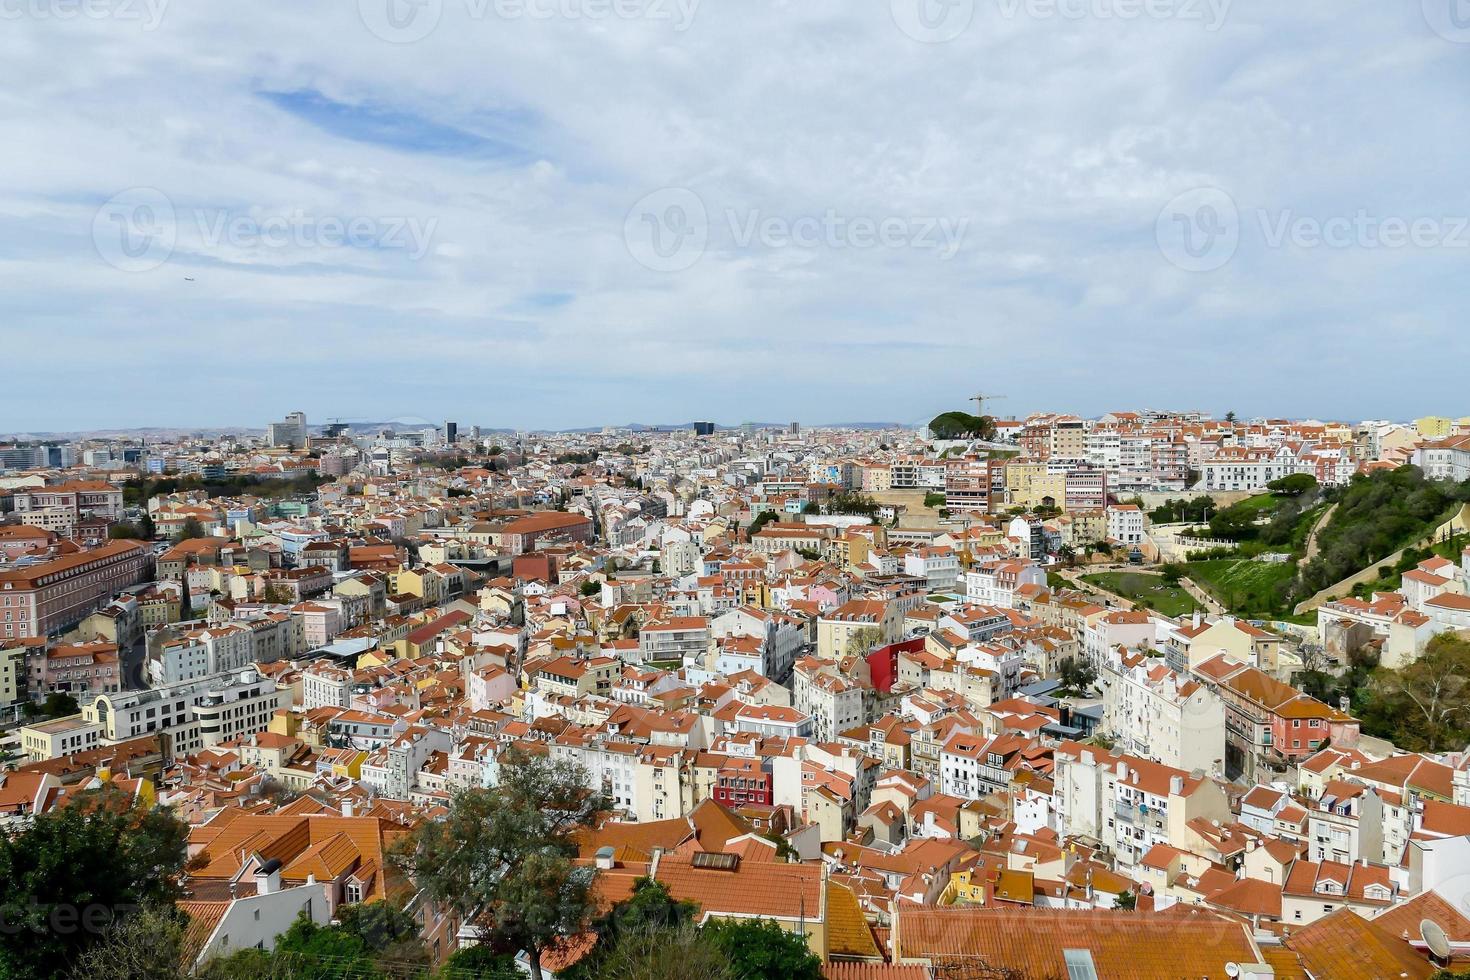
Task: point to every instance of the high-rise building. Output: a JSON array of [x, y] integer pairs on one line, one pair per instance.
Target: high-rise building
[[704, 428], [290, 434], [451, 433]]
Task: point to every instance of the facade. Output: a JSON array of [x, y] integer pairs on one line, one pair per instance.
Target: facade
[[42, 599]]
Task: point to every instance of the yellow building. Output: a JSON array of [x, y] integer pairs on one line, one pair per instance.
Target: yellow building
[[1032, 484], [1433, 426]]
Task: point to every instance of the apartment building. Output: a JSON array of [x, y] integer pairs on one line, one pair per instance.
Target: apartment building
[[191, 716], [46, 598]]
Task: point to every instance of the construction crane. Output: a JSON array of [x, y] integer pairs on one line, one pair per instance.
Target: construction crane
[[980, 401]]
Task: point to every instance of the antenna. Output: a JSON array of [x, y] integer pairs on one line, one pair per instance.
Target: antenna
[[1435, 939]]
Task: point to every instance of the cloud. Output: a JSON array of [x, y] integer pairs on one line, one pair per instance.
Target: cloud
[[517, 137]]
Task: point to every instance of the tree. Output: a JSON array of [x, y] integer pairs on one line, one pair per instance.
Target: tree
[[1127, 901], [1230, 417], [59, 704], [1077, 676], [759, 949], [861, 640], [148, 945], [633, 930], [75, 871], [1294, 485], [590, 588], [191, 529], [146, 529], [123, 531], [502, 858], [962, 425], [762, 519], [682, 952], [1432, 694]]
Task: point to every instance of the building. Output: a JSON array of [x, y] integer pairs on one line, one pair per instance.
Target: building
[[289, 434], [42, 599], [192, 716]]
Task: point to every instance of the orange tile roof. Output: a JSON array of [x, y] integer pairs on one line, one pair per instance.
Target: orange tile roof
[[1346, 946], [1030, 941]]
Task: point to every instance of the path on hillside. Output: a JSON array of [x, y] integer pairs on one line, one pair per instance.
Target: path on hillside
[[1312, 549], [1342, 588]]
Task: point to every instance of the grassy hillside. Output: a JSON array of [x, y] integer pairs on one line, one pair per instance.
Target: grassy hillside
[[1376, 516], [1144, 589], [1252, 589]]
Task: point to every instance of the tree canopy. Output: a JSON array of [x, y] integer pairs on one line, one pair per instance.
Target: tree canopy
[[67, 876], [502, 858], [962, 425]]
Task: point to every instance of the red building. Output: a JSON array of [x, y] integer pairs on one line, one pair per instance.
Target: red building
[[743, 781]]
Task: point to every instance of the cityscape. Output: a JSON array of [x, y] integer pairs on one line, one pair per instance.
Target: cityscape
[[1148, 694], [735, 490]]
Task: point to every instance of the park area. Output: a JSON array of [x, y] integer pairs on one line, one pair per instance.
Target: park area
[[1144, 589]]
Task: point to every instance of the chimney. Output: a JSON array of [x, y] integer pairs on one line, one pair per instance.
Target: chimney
[[348, 809], [268, 878], [605, 858], [1176, 785], [658, 853], [1123, 772]]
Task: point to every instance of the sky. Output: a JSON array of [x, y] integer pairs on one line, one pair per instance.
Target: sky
[[562, 213]]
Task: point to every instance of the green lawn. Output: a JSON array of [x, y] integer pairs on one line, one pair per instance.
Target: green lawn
[[1171, 600], [1247, 588]]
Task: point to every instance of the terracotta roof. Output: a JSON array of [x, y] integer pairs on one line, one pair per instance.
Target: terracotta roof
[[1346, 946], [1033, 942]]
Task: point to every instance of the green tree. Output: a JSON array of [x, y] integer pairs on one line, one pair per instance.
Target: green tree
[[1128, 901], [72, 872], [191, 529], [962, 425], [759, 949], [682, 952], [1294, 485], [148, 945], [123, 531], [1077, 676], [761, 520], [502, 857], [146, 528], [1430, 698]]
